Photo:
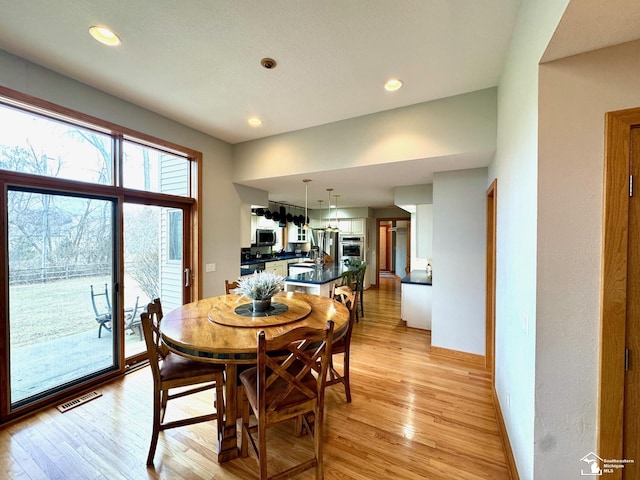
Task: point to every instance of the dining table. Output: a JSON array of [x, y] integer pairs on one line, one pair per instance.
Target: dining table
[[224, 330]]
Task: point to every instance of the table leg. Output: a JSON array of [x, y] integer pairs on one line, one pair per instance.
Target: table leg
[[228, 444]]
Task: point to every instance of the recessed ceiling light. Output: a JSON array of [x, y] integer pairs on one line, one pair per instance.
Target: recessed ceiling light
[[393, 85], [254, 121], [104, 35]]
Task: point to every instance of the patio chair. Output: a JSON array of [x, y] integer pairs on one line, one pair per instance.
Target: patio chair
[[132, 319], [104, 314], [102, 309]]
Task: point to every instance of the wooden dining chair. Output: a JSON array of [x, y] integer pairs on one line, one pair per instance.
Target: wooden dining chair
[[229, 286], [348, 298], [283, 387], [171, 371]]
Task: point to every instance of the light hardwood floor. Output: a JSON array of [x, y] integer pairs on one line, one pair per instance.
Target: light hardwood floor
[[412, 417]]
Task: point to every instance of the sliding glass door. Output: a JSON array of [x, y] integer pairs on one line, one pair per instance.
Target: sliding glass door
[[153, 265], [62, 303], [97, 221]]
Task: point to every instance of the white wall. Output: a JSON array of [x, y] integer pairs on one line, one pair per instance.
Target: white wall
[[220, 201], [575, 93], [459, 260], [425, 131], [515, 167]]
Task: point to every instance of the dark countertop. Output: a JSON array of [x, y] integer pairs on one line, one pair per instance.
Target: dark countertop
[[417, 277], [321, 274], [275, 258]]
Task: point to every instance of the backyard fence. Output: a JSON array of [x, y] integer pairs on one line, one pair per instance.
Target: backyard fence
[[53, 273]]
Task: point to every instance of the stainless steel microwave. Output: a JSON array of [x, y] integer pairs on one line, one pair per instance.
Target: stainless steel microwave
[[265, 238]]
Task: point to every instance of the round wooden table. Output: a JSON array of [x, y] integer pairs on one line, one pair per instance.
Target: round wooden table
[[219, 330]]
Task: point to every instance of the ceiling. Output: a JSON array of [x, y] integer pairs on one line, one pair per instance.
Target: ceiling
[[198, 63]]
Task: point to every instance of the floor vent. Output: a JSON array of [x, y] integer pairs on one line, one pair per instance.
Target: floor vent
[[87, 397]]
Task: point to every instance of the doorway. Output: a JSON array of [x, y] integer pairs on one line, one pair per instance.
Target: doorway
[[394, 248], [492, 221]]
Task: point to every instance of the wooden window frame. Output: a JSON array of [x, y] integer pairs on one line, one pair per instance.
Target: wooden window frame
[[193, 234]]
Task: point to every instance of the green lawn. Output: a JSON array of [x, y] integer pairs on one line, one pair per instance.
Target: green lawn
[[45, 311]]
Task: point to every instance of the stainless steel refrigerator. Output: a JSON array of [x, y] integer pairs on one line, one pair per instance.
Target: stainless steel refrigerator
[[328, 243]]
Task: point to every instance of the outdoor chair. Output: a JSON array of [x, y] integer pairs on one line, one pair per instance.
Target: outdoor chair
[[102, 309], [283, 387], [104, 313], [172, 371]]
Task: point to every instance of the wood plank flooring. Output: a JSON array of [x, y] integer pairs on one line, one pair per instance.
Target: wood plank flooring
[[412, 417]]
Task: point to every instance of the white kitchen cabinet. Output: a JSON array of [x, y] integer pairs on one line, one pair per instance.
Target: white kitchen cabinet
[[416, 305], [297, 234], [353, 226], [279, 267], [357, 226]]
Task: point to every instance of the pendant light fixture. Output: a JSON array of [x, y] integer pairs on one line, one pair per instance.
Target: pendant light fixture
[[329, 228], [306, 200], [336, 228]]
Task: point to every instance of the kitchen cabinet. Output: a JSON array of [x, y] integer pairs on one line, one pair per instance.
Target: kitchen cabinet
[[279, 267], [351, 226], [297, 234], [415, 307]]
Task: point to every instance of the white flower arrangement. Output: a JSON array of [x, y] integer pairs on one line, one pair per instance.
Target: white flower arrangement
[[260, 285]]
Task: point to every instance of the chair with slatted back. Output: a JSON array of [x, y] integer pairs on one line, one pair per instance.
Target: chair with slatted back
[[348, 298], [102, 309], [172, 371], [288, 383], [229, 286]]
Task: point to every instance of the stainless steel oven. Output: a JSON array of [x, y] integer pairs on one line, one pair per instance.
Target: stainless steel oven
[[351, 247]]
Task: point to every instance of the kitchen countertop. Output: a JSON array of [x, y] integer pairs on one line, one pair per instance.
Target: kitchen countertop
[[275, 258], [417, 277], [324, 273]]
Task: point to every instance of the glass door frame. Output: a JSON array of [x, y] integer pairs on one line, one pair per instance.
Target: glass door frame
[[188, 293]]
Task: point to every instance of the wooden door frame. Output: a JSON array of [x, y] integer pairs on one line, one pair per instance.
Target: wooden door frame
[[378, 222], [613, 295], [490, 302]]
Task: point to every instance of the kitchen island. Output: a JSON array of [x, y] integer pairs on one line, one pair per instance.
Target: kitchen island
[[416, 299], [315, 279]]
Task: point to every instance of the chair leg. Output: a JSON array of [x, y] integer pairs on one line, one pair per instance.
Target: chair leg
[[164, 397], [156, 429], [262, 448], [345, 376], [318, 432]]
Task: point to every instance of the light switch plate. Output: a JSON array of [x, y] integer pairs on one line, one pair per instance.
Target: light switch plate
[[210, 267]]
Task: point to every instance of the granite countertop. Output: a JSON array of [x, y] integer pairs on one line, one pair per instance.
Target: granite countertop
[[417, 277], [275, 258], [319, 274]]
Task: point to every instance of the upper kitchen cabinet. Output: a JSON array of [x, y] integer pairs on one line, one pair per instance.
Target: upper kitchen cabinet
[[297, 234], [352, 225]]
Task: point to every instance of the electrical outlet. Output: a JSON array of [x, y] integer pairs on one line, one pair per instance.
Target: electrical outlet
[[210, 267]]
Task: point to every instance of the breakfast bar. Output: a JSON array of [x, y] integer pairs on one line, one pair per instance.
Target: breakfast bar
[[315, 279]]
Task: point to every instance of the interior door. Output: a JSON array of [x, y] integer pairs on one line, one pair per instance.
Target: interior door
[[631, 430]]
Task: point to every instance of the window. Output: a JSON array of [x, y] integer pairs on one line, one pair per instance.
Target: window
[[99, 222]]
